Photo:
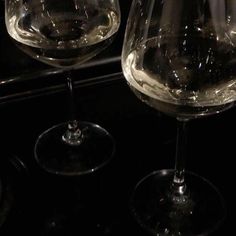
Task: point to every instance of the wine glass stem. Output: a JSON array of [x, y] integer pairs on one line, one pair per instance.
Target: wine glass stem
[[73, 135], [178, 184], [71, 97]]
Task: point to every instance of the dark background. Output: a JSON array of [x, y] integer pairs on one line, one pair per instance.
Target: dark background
[[33, 98]]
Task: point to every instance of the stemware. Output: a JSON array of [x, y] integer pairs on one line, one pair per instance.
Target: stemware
[[64, 34], [179, 57]]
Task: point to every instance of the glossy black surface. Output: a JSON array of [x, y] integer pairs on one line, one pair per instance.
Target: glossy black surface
[[33, 98], [99, 203]]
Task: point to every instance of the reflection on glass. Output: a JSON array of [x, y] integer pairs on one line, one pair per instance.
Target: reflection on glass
[[64, 34], [180, 58]]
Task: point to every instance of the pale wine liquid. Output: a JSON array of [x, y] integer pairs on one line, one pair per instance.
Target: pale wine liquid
[[67, 39], [183, 77]]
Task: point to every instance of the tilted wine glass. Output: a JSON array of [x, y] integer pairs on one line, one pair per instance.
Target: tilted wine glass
[[65, 33], [179, 57]]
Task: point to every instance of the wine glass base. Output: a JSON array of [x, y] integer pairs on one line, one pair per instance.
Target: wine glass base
[[156, 213], [58, 157]]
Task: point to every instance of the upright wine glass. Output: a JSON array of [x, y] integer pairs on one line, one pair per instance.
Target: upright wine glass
[[179, 57], [65, 33]]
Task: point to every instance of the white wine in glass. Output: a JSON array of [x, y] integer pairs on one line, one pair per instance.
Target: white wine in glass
[[180, 58], [64, 34]]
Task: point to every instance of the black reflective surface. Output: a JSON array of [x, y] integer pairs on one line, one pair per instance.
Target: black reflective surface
[[145, 140], [33, 98]]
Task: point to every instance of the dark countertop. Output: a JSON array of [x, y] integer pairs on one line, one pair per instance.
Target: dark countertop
[[33, 98], [145, 142]]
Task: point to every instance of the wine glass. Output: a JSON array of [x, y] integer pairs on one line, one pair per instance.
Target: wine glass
[[179, 57], [65, 33]]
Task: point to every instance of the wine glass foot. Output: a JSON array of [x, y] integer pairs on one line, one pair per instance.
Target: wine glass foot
[[58, 157], [155, 211]]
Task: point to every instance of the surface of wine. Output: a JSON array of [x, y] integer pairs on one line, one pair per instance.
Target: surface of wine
[[67, 39], [192, 76]]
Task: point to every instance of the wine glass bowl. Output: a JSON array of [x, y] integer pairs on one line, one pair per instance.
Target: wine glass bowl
[[181, 62], [179, 57], [65, 34], [62, 33]]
